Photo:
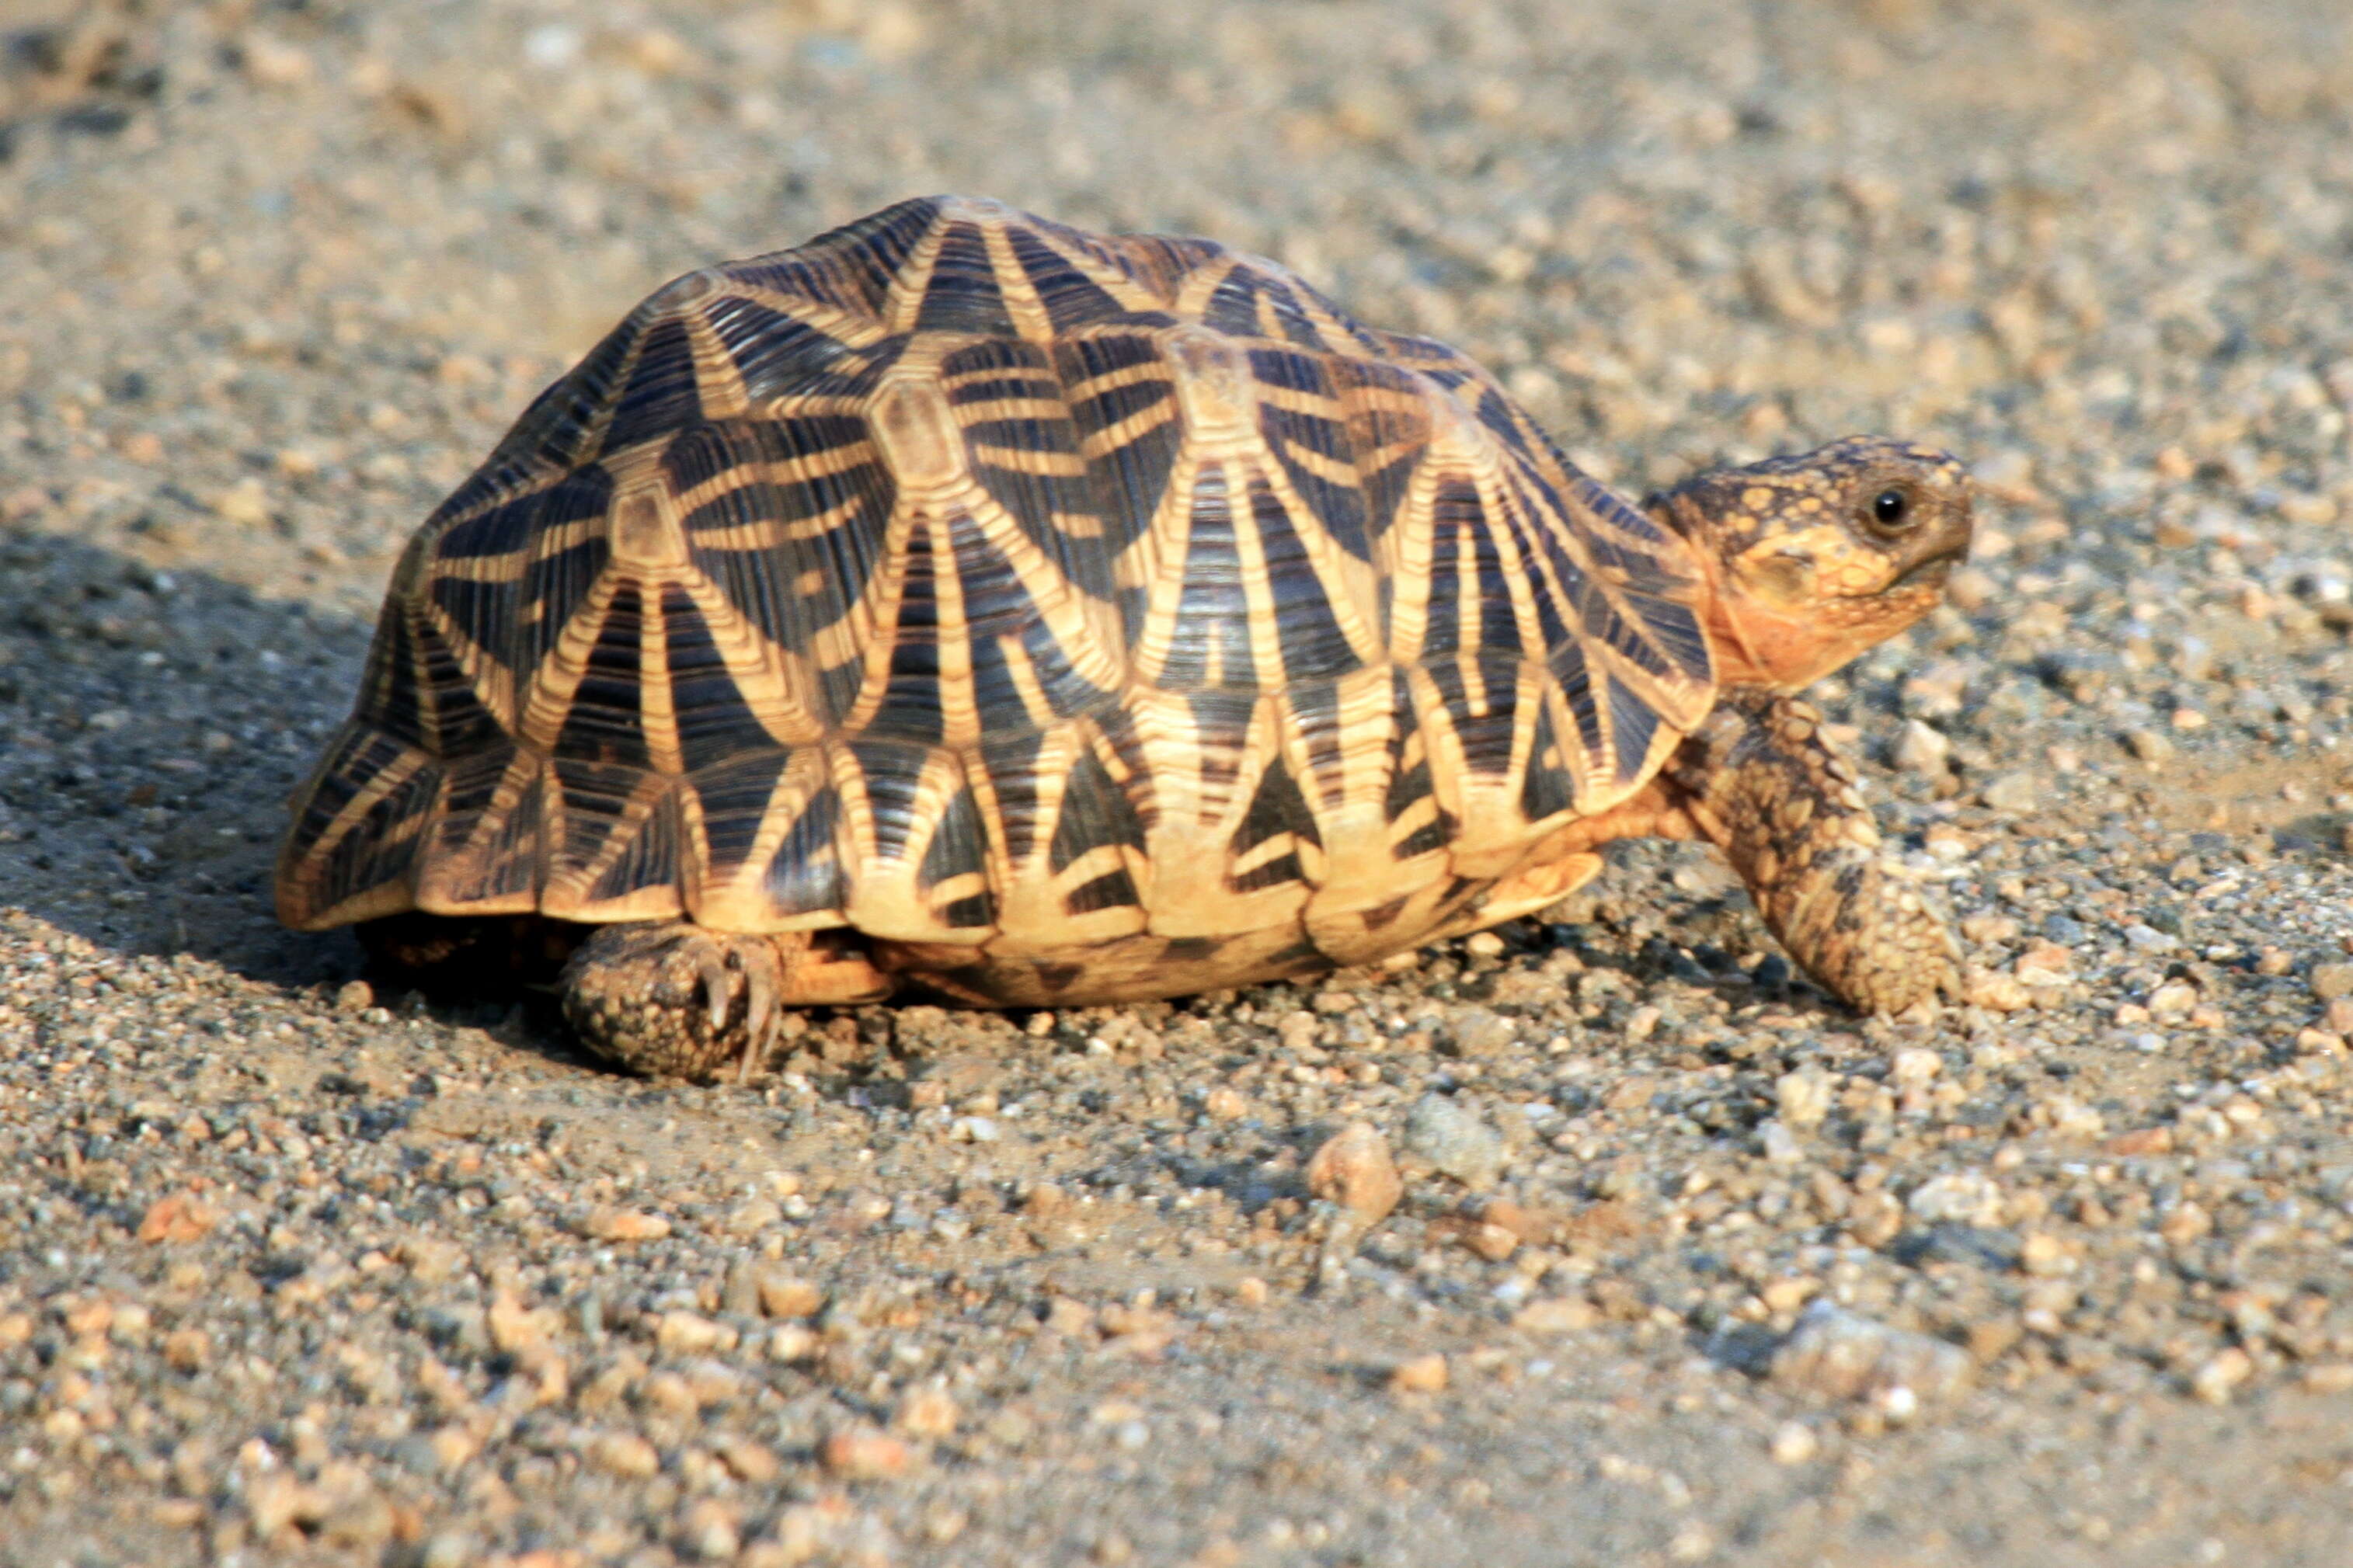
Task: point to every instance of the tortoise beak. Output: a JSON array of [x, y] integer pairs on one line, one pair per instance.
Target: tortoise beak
[[1930, 572]]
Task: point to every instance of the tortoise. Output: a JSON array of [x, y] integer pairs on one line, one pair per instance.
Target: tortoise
[[968, 603]]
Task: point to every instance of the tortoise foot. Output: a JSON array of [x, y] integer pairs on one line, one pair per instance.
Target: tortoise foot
[[670, 999]]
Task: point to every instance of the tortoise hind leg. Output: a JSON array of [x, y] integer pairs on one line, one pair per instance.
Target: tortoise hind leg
[[670, 999], [1762, 782]]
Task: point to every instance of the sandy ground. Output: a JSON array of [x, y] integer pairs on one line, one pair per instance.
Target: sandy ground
[[1691, 1267]]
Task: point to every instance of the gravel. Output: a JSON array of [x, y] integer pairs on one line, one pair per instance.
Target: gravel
[[1685, 1265]]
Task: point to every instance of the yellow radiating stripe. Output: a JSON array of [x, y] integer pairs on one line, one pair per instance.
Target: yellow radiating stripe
[[771, 533], [1161, 572], [1008, 407], [1359, 731], [1269, 318], [854, 835], [509, 566], [1087, 630], [1014, 286], [1112, 279], [869, 629], [718, 380], [1457, 448], [1300, 399], [367, 799], [567, 890], [545, 477], [852, 331], [1258, 586], [601, 414], [1349, 588], [471, 860], [657, 703], [1497, 508], [1097, 445], [1330, 469], [1679, 700], [492, 682], [1028, 461], [774, 685], [547, 697], [913, 278], [1023, 673], [821, 464], [1323, 318], [960, 716], [1112, 380], [1198, 286], [741, 903], [420, 680]]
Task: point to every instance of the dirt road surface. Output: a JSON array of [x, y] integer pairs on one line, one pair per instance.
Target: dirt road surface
[[1691, 1267]]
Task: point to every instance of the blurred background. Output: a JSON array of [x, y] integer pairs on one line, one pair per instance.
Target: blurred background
[[279, 270]]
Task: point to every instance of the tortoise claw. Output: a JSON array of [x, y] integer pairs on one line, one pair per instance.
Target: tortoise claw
[[717, 985], [760, 987], [673, 1000]]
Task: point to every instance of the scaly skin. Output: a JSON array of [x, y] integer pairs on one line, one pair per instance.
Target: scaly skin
[[670, 999], [1763, 783]]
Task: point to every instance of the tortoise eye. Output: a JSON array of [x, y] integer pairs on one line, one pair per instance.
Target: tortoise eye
[[1891, 508]]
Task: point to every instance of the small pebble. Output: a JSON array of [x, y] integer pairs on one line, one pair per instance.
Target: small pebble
[[1804, 1098], [1922, 748], [753, 1216], [2217, 1380], [1913, 1067], [2329, 1377], [1557, 1315], [860, 1454], [1835, 1353], [1422, 1374], [2330, 982], [2014, 793], [1478, 1032], [624, 1454], [1455, 1140], [689, 1333], [182, 1216], [709, 1531], [1353, 1169], [623, 1225], [926, 1413], [784, 1295], [1225, 1104]]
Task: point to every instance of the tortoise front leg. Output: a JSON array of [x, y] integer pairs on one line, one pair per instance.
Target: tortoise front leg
[[1761, 782], [670, 999]]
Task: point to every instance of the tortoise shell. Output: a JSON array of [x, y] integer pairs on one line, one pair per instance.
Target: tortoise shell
[[1078, 616]]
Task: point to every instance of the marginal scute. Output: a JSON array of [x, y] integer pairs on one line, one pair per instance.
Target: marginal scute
[[1073, 615]]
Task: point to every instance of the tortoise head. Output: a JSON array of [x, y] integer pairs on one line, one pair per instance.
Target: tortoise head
[[1813, 558]]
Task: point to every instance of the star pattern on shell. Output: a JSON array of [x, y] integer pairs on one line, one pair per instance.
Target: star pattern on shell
[[969, 580]]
